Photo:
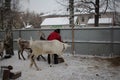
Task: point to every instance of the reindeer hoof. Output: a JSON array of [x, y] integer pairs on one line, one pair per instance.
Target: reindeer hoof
[[39, 69], [50, 65], [19, 58]]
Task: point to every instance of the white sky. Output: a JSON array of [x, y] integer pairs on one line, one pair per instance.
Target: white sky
[[43, 6], [40, 6]]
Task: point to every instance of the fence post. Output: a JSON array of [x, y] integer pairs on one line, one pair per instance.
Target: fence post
[[112, 41]]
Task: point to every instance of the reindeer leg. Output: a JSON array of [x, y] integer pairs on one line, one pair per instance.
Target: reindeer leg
[[38, 58], [33, 62], [43, 57], [19, 54], [31, 59], [48, 58], [22, 54], [51, 60], [35, 65], [64, 61]]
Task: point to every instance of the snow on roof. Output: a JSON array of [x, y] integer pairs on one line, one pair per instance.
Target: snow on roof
[[57, 21], [27, 26], [101, 21]]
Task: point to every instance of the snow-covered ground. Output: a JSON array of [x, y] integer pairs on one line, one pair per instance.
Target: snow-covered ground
[[79, 68]]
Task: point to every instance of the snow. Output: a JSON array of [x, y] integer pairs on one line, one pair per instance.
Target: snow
[[79, 68], [57, 21], [101, 21]]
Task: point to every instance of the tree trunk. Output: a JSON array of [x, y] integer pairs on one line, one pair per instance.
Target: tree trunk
[[96, 13], [8, 41]]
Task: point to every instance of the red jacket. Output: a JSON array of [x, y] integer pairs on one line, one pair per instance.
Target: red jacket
[[54, 35]]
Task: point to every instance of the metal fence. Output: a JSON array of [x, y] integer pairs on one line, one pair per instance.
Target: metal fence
[[88, 41]]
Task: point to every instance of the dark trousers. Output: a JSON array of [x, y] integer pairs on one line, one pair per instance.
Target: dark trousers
[[55, 59]]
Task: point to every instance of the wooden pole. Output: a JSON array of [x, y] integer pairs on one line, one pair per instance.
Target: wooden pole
[[73, 46], [71, 8]]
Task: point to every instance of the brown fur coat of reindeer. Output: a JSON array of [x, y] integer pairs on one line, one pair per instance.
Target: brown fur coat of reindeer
[[23, 45]]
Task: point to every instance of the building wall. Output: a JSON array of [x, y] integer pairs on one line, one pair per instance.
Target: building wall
[[106, 15], [88, 16]]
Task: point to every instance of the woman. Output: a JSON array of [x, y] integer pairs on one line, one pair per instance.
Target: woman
[[55, 35]]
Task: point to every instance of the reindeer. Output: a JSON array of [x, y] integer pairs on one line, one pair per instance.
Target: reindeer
[[24, 45]]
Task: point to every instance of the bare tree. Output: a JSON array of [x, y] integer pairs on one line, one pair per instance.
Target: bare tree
[[1, 14], [9, 19], [94, 6], [96, 13], [97, 5], [8, 41]]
